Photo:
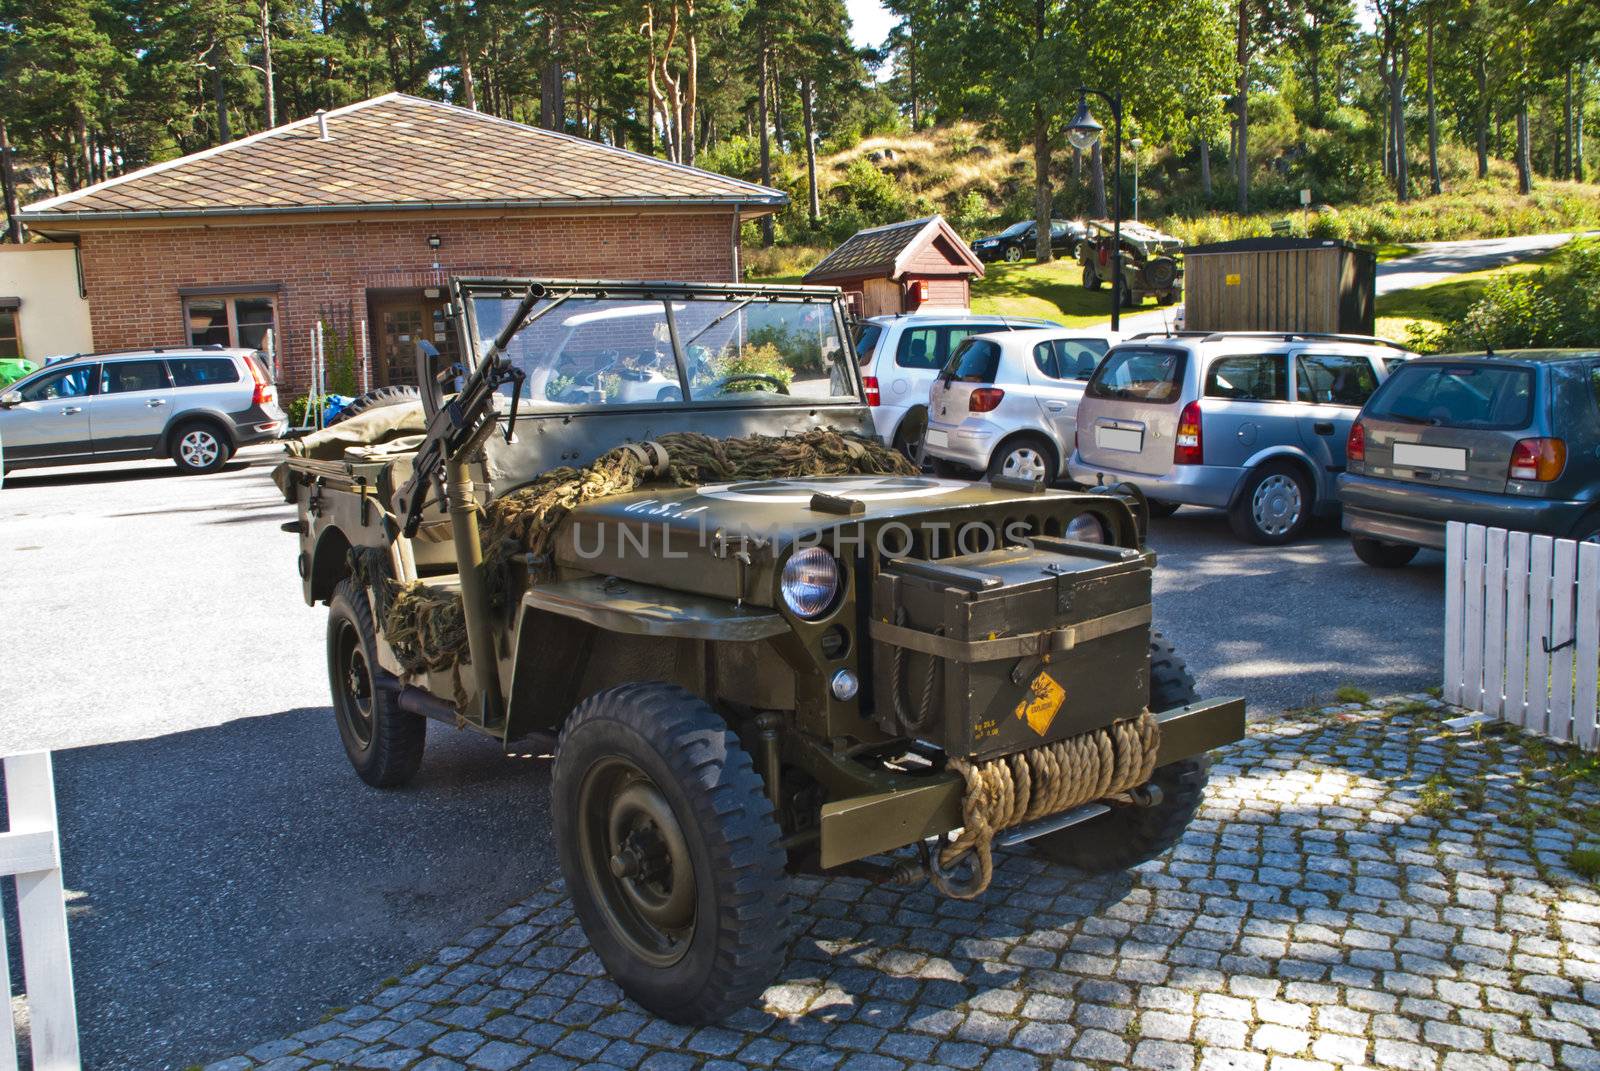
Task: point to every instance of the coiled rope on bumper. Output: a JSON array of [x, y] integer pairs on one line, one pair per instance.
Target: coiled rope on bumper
[[1001, 793]]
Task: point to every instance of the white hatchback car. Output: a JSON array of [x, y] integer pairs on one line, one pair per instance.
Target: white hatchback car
[[900, 356], [1006, 403]]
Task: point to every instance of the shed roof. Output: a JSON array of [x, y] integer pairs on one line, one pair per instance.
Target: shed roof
[[399, 152], [1272, 245], [886, 251]]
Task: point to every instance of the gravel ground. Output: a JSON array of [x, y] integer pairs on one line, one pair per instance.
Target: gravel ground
[[230, 878]]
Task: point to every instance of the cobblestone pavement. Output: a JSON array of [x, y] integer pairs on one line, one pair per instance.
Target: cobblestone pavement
[[1362, 887]]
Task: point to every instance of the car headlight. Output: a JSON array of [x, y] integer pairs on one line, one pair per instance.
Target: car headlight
[[1087, 528], [810, 581]]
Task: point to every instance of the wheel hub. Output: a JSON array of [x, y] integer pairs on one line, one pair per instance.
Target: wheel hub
[[1276, 505]]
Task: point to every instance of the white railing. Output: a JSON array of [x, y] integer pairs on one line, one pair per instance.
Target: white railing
[[30, 851], [1522, 629]]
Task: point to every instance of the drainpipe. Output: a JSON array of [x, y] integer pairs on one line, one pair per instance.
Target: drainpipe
[[738, 276]]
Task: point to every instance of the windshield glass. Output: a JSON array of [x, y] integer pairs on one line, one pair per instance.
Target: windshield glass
[[609, 351], [1016, 229], [1138, 373], [1456, 396]]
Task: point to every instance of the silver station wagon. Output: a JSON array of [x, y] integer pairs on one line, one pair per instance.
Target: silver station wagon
[[1254, 423], [196, 405]]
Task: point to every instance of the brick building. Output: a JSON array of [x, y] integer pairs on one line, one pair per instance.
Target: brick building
[[357, 218], [902, 267]]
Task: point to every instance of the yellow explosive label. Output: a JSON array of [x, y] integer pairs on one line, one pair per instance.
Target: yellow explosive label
[[1044, 699], [1231, 279]]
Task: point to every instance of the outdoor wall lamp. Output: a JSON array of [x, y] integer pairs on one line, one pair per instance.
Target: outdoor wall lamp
[[434, 241], [1083, 132]]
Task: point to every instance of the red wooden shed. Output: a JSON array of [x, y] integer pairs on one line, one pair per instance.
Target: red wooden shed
[[901, 267]]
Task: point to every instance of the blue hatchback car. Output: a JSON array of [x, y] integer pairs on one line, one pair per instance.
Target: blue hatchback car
[[1510, 440]]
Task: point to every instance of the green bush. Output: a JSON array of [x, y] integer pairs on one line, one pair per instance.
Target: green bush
[[1555, 306]]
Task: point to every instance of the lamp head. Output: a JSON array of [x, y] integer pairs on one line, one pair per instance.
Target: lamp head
[[1083, 131]]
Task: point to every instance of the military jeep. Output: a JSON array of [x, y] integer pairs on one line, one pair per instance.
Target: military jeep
[[758, 641], [1150, 264]]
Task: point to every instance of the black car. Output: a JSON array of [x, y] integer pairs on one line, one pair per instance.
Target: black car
[[1019, 240]]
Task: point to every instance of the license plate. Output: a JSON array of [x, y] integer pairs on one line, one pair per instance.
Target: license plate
[[1128, 440], [1417, 456], [938, 438]]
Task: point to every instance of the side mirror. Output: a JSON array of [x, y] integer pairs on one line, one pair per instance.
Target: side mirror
[[10, 398]]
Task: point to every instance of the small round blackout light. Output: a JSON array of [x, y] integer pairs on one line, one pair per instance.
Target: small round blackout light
[[1086, 528], [810, 581], [845, 685]]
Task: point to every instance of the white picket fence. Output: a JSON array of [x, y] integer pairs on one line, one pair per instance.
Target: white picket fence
[[30, 851], [1522, 629]]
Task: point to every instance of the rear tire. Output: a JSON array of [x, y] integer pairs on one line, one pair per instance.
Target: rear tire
[[200, 447], [1274, 507], [671, 853], [1131, 834], [1381, 555], [383, 742], [909, 435], [1026, 457]]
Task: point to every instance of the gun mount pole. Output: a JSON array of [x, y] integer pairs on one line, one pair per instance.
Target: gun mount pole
[[474, 592]]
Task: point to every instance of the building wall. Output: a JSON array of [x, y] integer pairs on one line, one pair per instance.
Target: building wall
[[133, 276], [53, 317]]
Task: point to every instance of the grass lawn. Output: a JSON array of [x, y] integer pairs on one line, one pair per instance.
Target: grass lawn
[[1388, 251], [1053, 291], [1437, 303]]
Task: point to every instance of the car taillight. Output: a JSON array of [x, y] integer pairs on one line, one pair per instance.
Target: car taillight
[[1540, 460], [984, 399], [874, 396], [1355, 447], [1189, 446], [265, 392]]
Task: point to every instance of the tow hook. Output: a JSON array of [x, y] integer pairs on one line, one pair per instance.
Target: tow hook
[[1147, 795]]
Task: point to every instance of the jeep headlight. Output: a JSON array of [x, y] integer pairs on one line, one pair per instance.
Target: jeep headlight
[[1086, 528], [810, 581]]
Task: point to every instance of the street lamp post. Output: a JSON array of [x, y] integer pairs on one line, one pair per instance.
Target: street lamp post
[[1083, 132], [1135, 144]]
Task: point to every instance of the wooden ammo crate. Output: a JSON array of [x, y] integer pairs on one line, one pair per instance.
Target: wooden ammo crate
[[1280, 284]]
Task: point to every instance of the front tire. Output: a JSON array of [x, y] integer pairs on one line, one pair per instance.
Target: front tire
[[199, 447], [1275, 506], [383, 742], [1131, 834], [671, 853], [1381, 555], [1013, 254], [1091, 279]]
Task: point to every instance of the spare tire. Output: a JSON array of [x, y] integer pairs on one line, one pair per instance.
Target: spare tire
[[378, 399], [1160, 273]]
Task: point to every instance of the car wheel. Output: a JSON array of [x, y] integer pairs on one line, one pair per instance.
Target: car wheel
[[1161, 509], [1027, 457], [1013, 254], [383, 742], [908, 437], [1381, 555], [1131, 834], [200, 448], [671, 852], [1091, 279], [1275, 506]]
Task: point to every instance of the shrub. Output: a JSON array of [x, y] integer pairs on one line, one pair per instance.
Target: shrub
[[1555, 306]]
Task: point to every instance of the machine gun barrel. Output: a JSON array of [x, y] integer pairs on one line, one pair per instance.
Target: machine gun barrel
[[462, 422]]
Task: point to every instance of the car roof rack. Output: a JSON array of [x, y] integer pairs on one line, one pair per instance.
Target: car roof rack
[[1174, 333], [1306, 336]]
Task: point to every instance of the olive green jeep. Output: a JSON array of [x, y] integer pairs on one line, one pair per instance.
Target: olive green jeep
[[646, 525]]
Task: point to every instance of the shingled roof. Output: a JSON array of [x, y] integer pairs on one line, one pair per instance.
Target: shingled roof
[[885, 251], [399, 152]]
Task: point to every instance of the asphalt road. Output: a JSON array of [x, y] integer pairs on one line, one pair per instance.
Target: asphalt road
[[231, 878], [1434, 262]]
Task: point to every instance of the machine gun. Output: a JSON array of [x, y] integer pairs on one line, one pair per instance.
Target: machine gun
[[457, 426]]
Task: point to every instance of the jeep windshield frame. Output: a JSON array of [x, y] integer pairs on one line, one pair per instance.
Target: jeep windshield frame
[[591, 346]]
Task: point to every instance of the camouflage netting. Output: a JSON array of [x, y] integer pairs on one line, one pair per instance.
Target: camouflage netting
[[425, 625]]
